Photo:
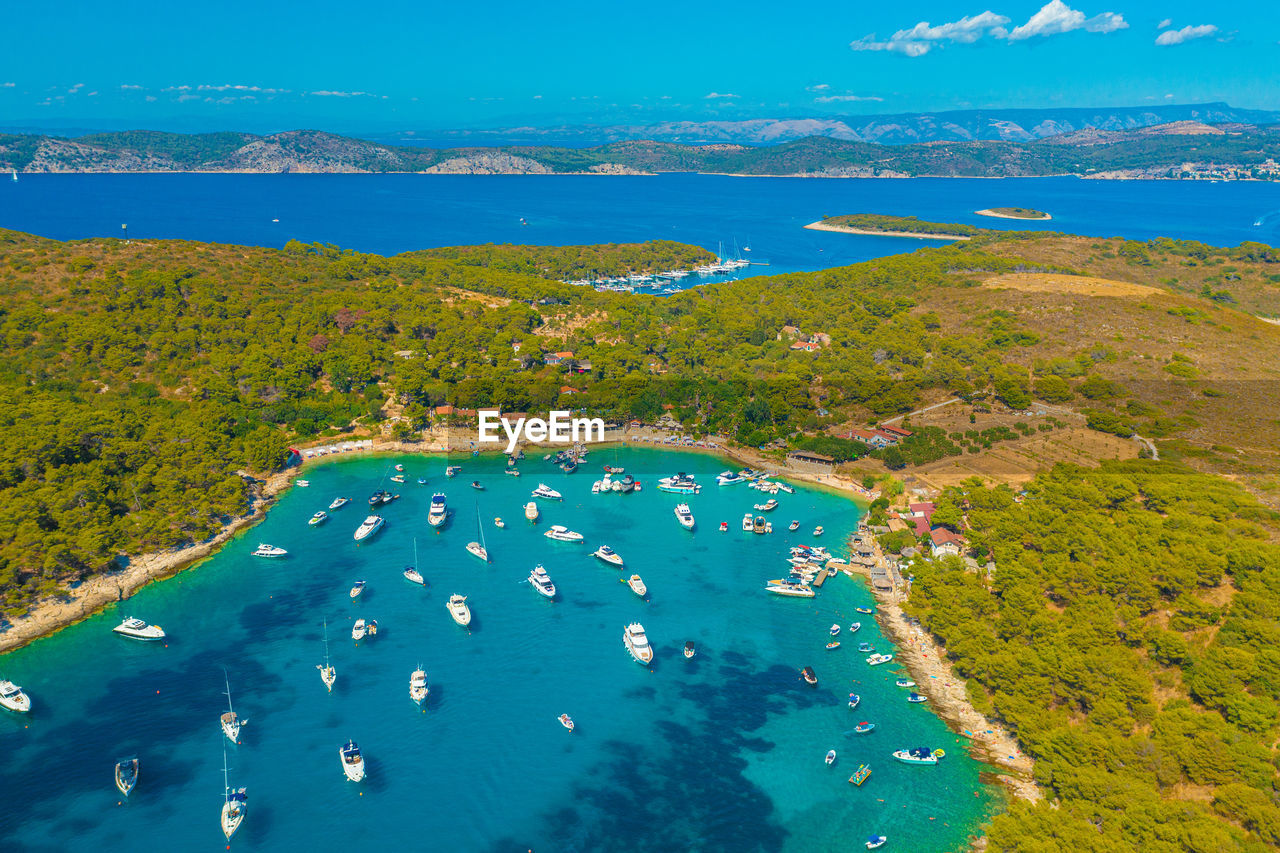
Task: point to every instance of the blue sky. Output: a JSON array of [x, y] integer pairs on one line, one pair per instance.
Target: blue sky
[[268, 66]]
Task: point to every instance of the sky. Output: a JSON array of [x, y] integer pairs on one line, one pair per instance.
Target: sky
[[403, 65]]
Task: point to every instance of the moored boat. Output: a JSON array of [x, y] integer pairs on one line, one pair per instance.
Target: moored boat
[[327, 673], [438, 513], [234, 803], [835, 630], [854, 700], [768, 506], [875, 842], [371, 525], [380, 498], [747, 523], [810, 677], [637, 586], [531, 511], [855, 626], [864, 727], [684, 516], [398, 478], [545, 491], [916, 698], [724, 526], [357, 589], [459, 610], [452, 470], [606, 554], [541, 581], [126, 775], [729, 478], [418, 689], [866, 647], [831, 757], [833, 645], [791, 589], [230, 722], [689, 649], [877, 659], [560, 533], [864, 609], [414, 576], [905, 682], [795, 525], [760, 525], [358, 630], [499, 523], [817, 531], [680, 484], [637, 643], [339, 503], [352, 761], [12, 698], [136, 629], [917, 755], [319, 518], [265, 550], [477, 485], [566, 721]]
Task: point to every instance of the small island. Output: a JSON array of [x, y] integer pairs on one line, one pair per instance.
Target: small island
[[877, 225], [1013, 213]]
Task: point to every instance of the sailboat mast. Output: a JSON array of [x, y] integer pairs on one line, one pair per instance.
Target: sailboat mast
[[227, 681], [326, 643]]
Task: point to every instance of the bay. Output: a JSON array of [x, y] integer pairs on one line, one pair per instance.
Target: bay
[[722, 752]]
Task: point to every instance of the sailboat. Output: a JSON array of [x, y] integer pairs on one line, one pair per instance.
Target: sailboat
[[411, 573], [230, 722], [477, 549], [327, 673], [233, 804]]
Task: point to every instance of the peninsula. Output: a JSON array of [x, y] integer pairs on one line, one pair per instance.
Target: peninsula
[[875, 225], [1013, 213]]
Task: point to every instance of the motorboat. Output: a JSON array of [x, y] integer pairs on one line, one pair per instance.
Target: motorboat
[[499, 523], [680, 484], [126, 775], [625, 485], [569, 466], [371, 525], [834, 644], [905, 682], [327, 673], [359, 629], [357, 589], [265, 550], [767, 506], [785, 488], [864, 610], [398, 478], [566, 721], [684, 516], [339, 503], [854, 700], [792, 589], [614, 469], [352, 761], [637, 586], [917, 755], [380, 498], [835, 630], [810, 677], [531, 511], [817, 531], [545, 491], [877, 659], [633, 637], [459, 610], [864, 727], [793, 526], [418, 689], [831, 757], [399, 468], [452, 470], [477, 485], [866, 647], [747, 523], [595, 487], [414, 576], [875, 842], [607, 555], [759, 525], [138, 630], [560, 533], [689, 650], [371, 627], [438, 514], [724, 526], [319, 518], [854, 627], [729, 478], [541, 581], [514, 472], [12, 697], [860, 775], [230, 722], [302, 484], [422, 481], [916, 698]]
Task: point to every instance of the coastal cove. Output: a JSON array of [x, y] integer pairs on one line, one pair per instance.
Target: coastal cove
[[724, 750]]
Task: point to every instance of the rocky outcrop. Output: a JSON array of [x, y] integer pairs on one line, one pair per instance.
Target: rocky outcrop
[[495, 163]]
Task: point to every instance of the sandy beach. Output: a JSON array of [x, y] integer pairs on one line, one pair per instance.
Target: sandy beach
[[993, 214], [842, 229]]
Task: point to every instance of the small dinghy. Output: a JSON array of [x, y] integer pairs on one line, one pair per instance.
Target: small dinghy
[[357, 589], [832, 645], [866, 647], [689, 650], [566, 721], [854, 699], [126, 775], [475, 484], [724, 526], [499, 523], [905, 682], [864, 727], [835, 630], [795, 525], [855, 627], [875, 842], [831, 757], [817, 531], [810, 677], [864, 609], [917, 698]]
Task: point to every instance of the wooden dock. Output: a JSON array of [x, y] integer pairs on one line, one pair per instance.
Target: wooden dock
[[822, 577]]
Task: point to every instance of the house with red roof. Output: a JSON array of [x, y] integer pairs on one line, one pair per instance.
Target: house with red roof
[[943, 541]]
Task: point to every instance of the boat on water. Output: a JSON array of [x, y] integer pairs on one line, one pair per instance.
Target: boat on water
[[877, 659], [126, 775], [12, 698], [768, 506], [531, 511], [864, 727], [399, 467], [637, 643], [478, 549], [905, 682], [422, 481], [136, 629], [569, 465], [499, 523], [614, 469], [359, 629], [371, 525], [854, 627], [412, 575], [759, 525], [352, 761], [398, 478], [606, 554], [875, 842], [265, 550], [319, 518], [689, 649], [724, 526], [729, 478], [810, 677], [595, 487], [831, 757], [864, 610], [918, 755], [866, 647], [234, 802], [795, 525], [452, 470], [791, 588], [637, 586], [684, 516], [834, 630], [566, 721], [514, 472], [860, 775], [545, 491], [560, 533], [747, 523], [371, 627], [327, 673], [916, 698], [459, 610], [380, 498], [339, 503], [541, 581], [834, 644], [230, 722], [357, 589], [302, 484], [682, 484], [438, 514], [854, 700], [477, 485], [418, 689], [817, 531]]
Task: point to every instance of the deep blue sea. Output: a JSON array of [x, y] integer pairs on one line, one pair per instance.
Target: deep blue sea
[[720, 753], [397, 213]]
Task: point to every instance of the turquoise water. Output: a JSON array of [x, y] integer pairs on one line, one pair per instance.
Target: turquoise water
[[724, 752]]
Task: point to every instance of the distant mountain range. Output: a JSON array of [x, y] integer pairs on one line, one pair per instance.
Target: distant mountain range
[[1178, 149]]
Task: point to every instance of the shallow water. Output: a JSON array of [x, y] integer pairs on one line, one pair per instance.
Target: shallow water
[[724, 752]]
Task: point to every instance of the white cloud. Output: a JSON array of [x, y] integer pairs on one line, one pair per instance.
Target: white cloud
[[7, 85], [151, 98], [720, 95], [76, 88], [921, 38], [1057, 17], [327, 93], [1167, 22], [831, 99], [227, 87], [1188, 33], [818, 87], [130, 86]]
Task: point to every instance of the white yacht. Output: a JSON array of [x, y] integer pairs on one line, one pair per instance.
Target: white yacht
[[747, 524], [478, 549], [541, 581], [729, 478], [680, 484], [265, 550], [230, 722], [767, 506], [545, 491], [357, 589], [562, 534], [327, 673], [234, 802], [877, 659], [412, 575], [531, 511], [637, 586], [352, 761], [319, 518], [358, 630], [372, 524], [637, 643], [139, 630], [12, 697], [459, 610], [339, 503], [684, 516], [418, 685], [439, 512], [790, 588], [917, 755], [608, 555]]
